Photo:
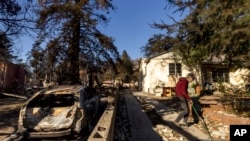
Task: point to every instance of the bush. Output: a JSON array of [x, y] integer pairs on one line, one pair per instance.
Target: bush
[[237, 105]]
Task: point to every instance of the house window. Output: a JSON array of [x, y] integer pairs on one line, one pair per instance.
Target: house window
[[175, 69], [220, 75]]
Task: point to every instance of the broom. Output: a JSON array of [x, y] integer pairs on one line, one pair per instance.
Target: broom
[[203, 122]]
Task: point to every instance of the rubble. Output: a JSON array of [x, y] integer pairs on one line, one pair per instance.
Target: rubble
[[167, 133], [122, 130], [217, 120]]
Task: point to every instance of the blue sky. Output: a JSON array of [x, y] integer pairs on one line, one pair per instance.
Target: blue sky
[[129, 25]]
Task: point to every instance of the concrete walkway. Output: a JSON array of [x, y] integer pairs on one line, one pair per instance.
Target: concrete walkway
[[191, 133], [140, 124]]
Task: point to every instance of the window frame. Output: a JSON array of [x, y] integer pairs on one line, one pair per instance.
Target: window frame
[[220, 75], [177, 69]]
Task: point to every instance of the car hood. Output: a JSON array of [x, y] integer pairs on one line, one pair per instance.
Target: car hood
[[49, 119]]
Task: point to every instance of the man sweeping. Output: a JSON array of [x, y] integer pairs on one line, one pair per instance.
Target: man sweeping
[[182, 94]]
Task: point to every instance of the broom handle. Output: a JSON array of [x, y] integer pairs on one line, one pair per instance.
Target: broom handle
[[204, 124]]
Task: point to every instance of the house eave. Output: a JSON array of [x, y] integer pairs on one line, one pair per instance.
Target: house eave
[[214, 63]]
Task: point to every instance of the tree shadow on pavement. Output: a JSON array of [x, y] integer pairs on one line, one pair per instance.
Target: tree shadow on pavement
[[157, 120], [151, 106], [140, 125]]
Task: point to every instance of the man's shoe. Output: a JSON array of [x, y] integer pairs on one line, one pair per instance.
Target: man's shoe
[[190, 123], [177, 123], [185, 125]]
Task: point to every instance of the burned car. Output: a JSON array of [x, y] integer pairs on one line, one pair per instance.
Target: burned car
[[58, 111]]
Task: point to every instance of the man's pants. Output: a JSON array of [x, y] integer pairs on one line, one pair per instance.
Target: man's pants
[[185, 112]]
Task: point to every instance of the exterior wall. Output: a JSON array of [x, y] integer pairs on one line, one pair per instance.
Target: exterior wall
[[9, 73], [240, 76], [236, 77], [155, 73], [142, 74]]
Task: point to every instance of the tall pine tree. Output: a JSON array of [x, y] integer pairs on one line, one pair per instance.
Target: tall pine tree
[[74, 24], [125, 67], [211, 29]]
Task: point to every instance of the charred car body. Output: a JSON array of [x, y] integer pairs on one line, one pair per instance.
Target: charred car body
[[58, 111]]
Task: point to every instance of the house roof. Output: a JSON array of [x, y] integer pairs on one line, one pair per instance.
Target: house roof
[[159, 54], [147, 60]]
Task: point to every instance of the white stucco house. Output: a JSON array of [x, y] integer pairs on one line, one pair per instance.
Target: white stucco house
[[164, 70], [161, 70]]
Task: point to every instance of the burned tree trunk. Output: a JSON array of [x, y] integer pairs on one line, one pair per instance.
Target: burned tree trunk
[[74, 49]]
